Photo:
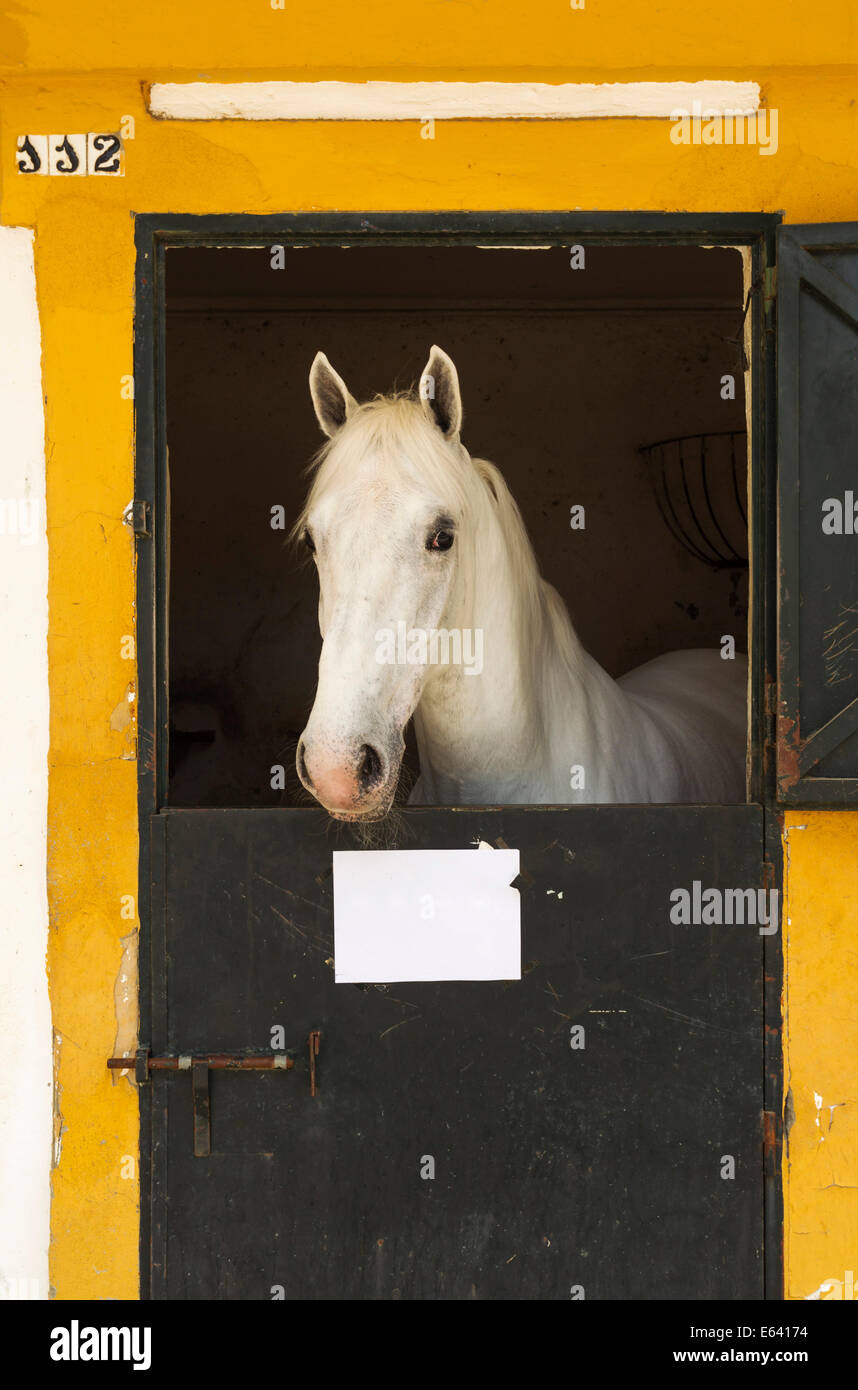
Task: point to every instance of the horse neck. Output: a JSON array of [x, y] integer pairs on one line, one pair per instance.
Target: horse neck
[[475, 729]]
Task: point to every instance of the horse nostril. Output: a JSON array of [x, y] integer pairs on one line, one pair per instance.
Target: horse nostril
[[302, 766], [369, 768]]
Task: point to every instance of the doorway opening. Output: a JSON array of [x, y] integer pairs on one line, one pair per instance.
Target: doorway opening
[[612, 396]]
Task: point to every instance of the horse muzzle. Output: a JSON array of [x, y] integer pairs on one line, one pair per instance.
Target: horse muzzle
[[354, 782]]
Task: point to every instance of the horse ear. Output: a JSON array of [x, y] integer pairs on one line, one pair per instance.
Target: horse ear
[[439, 392], [332, 399]]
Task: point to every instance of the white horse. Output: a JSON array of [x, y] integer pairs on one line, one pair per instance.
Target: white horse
[[431, 605]]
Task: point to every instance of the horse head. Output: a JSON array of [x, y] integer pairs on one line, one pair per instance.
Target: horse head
[[382, 522]]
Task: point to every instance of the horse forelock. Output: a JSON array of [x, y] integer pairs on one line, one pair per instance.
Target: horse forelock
[[391, 439]]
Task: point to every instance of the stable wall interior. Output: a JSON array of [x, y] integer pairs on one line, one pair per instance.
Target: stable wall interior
[[565, 374]]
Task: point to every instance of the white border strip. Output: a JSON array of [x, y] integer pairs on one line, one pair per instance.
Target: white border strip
[[448, 101], [26, 1073]]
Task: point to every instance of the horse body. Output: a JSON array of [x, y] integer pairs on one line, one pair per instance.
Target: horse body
[[672, 730], [541, 722]]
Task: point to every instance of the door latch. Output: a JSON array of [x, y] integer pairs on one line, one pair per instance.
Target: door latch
[[143, 1064], [138, 517]]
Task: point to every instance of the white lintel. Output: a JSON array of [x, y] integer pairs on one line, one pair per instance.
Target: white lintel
[[448, 101]]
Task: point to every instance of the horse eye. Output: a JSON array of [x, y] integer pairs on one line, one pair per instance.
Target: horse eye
[[309, 542], [441, 540]]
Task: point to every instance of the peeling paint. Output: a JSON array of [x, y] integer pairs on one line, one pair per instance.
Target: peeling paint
[[817, 1100], [125, 1004], [838, 1105], [789, 750], [59, 1123], [123, 713], [786, 834], [789, 1113]]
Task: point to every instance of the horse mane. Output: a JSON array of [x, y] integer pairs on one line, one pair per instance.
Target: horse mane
[[542, 617], [390, 431]]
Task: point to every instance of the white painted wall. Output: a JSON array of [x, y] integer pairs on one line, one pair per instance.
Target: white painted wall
[[25, 1023]]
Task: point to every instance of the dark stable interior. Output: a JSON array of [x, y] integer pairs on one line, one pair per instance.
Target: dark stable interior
[[568, 376]]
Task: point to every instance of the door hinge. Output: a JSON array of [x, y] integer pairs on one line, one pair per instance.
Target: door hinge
[[138, 517], [199, 1066]]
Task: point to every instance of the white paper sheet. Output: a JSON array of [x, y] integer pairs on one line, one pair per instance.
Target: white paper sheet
[[426, 914]]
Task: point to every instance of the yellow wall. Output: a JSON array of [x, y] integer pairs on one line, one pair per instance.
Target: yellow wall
[[84, 68], [821, 1050]]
